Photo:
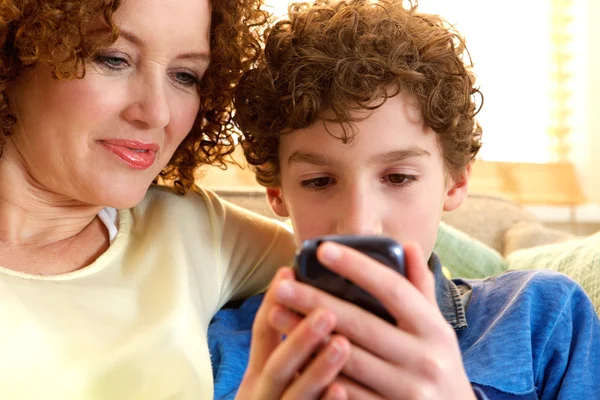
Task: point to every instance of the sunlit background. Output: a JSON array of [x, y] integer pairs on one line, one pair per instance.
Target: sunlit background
[[538, 72], [538, 65], [525, 54]]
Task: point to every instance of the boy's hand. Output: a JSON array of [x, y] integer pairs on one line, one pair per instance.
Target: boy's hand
[[419, 358], [285, 370]]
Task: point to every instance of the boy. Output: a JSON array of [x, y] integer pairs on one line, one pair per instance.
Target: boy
[[360, 119]]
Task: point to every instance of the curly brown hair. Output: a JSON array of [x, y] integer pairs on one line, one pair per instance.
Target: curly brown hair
[[339, 57], [54, 32]]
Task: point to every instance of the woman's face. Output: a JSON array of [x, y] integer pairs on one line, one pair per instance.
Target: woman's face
[[102, 139]]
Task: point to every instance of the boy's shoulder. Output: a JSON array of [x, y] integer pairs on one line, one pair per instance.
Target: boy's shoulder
[[542, 288], [526, 331], [530, 302], [538, 295]]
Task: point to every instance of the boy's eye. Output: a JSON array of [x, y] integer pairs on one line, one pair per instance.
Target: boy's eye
[[317, 183], [399, 179]]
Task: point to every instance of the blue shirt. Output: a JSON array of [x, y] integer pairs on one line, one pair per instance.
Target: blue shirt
[[523, 335]]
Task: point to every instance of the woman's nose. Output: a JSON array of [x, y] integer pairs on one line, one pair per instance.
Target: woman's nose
[[150, 107]]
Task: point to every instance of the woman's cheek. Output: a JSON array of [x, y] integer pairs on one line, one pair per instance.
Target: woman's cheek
[[180, 125]]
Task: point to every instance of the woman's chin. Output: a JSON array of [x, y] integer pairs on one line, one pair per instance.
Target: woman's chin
[[123, 197]]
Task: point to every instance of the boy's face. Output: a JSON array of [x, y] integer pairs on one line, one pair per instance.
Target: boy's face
[[390, 180]]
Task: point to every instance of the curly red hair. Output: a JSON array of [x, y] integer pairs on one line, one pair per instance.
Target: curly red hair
[[331, 58], [54, 32]]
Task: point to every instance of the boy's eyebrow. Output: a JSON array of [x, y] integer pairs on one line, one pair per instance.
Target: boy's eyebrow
[[398, 155], [308, 158], [382, 158]]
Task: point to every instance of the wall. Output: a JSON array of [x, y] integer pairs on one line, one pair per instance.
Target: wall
[[586, 135], [585, 152]]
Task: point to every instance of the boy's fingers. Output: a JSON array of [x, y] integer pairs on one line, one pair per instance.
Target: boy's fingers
[[307, 298], [284, 320], [294, 352], [418, 272], [265, 337], [335, 391], [409, 307], [321, 371], [356, 391]]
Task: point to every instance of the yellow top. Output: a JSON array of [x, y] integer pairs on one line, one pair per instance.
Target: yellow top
[[133, 324]]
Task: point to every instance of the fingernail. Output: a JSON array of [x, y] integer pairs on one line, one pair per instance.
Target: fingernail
[[321, 322], [284, 273], [285, 291], [335, 352], [330, 252]]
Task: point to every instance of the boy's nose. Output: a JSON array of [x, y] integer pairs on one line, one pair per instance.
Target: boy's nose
[[359, 217]]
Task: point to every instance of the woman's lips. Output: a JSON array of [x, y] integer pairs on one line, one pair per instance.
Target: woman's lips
[[136, 154]]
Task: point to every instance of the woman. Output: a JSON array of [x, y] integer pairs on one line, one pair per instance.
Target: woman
[[108, 283]]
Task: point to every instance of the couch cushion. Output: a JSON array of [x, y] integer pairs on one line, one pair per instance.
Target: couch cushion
[[487, 218], [253, 199], [466, 257], [526, 234], [462, 256], [578, 258]]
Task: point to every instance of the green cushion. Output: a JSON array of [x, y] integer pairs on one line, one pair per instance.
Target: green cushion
[[578, 258], [466, 257]]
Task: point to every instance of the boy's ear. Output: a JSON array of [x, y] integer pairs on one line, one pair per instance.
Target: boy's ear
[[457, 189], [275, 198]]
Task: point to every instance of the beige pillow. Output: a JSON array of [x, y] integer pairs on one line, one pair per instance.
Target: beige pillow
[[527, 234], [487, 218], [578, 258]]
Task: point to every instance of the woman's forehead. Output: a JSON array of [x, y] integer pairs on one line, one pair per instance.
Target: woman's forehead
[[181, 23]]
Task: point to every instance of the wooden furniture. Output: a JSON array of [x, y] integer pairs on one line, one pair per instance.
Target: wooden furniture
[[554, 184], [528, 183], [524, 183]]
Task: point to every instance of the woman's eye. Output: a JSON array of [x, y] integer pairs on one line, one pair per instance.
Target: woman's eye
[[399, 179], [185, 78], [114, 63], [317, 183]]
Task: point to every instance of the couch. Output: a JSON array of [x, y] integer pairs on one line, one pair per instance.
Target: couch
[[488, 235], [497, 222]]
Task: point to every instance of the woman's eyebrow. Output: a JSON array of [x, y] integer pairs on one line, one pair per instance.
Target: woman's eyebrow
[[139, 42]]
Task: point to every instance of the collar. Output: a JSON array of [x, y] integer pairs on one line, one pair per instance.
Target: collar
[[448, 296]]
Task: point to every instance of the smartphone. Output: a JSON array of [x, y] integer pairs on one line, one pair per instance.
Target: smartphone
[[309, 270]]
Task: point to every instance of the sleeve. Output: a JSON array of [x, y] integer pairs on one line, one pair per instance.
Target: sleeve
[[570, 360], [229, 337], [250, 248]]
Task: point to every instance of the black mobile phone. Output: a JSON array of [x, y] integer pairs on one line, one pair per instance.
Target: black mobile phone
[[309, 270]]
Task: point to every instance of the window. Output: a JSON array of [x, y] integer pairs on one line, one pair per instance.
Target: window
[[518, 50]]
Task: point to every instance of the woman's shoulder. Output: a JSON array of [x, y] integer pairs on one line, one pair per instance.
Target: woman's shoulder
[[200, 208], [164, 196], [196, 201], [163, 211]]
